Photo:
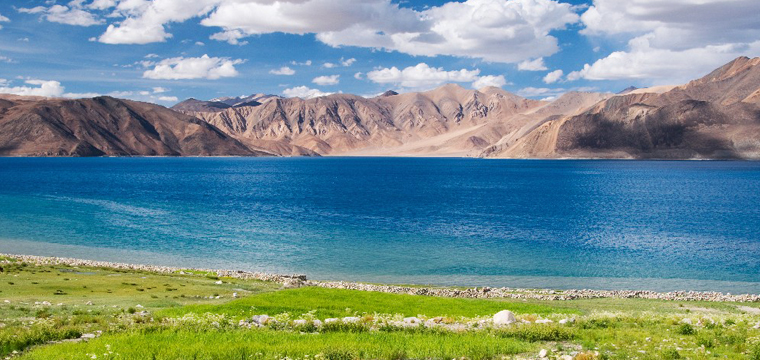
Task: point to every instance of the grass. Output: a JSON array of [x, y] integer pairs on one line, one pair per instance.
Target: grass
[[273, 344], [186, 320], [331, 303]]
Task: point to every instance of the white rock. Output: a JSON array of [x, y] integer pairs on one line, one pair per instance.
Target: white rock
[[88, 303], [686, 321], [317, 323], [351, 319], [7, 301], [566, 357], [504, 317], [565, 321], [260, 319], [331, 320], [757, 326], [299, 322], [139, 306], [218, 282], [87, 336], [234, 295], [544, 321], [412, 320], [542, 354]]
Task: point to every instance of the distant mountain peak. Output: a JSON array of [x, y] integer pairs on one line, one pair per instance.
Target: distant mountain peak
[[627, 90], [389, 93]]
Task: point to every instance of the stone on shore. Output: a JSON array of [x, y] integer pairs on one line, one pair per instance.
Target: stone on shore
[[351, 319], [504, 317], [542, 354]]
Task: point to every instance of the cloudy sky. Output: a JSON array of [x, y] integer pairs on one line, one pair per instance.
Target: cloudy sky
[[168, 50]]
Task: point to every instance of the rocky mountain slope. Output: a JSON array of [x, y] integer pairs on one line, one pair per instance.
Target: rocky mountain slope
[[33, 126], [715, 117]]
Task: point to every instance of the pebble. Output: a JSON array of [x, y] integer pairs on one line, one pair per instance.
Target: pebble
[[544, 321], [351, 319], [542, 354], [87, 336], [472, 293], [218, 282]]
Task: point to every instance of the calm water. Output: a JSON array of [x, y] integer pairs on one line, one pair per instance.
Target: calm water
[[560, 224]]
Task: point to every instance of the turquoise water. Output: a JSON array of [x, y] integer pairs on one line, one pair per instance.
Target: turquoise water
[[559, 224]]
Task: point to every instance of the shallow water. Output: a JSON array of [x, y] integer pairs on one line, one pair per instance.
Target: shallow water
[[559, 224]]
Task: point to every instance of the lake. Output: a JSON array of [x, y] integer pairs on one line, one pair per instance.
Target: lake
[[655, 225]]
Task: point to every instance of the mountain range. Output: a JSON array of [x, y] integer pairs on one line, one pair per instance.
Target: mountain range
[[715, 117]]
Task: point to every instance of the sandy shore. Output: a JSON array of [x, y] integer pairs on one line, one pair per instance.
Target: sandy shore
[[474, 293]]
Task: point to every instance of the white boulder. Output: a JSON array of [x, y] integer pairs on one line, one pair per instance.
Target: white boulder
[[504, 317]]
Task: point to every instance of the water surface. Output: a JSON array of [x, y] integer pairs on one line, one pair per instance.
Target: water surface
[[560, 224]]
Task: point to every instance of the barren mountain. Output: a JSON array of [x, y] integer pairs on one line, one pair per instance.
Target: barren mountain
[[717, 116], [32, 126], [449, 120]]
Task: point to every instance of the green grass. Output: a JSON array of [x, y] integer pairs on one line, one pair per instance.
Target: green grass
[[184, 323], [272, 344], [330, 303]]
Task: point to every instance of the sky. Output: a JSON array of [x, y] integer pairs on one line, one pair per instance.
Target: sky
[[164, 51]]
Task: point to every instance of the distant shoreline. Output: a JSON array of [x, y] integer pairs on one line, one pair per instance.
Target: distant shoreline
[[472, 293]]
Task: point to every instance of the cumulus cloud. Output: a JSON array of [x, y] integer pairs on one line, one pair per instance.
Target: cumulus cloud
[[145, 21], [282, 71], [46, 88], [304, 92], [532, 65], [489, 80], [421, 76], [204, 67], [553, 76], [73, 15], [662, 66], [492, 30], [35, 88], [347, 62], [670, 41], [327, 80]]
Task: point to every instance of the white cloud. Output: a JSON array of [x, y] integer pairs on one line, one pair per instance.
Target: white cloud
[[359, 76], [283, 71], [553, 76], [3, 19], [102, 4], [421, 76], [46, 88], [532, 65], [65, 15], [670, 41], [6, 59], [540, 92], [329, 65], [492, 30], [146, 20], [305, 63], [304, 92], [326, 80], [347, 62], [159, 90], [662, 66], [37, 88], [203, 67], [168, 98], [489, 80], [496, 31]]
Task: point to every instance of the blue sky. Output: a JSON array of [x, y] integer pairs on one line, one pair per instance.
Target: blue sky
[[168, 50]]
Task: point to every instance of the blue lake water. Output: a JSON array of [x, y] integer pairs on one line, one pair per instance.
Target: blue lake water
[[558, 224]]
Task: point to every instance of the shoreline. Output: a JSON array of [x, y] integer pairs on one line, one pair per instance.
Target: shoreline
[[297, 280]]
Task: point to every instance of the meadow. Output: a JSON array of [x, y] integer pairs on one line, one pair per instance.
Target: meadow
[[64, 312]]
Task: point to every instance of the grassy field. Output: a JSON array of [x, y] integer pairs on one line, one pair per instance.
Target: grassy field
[[134, 315]]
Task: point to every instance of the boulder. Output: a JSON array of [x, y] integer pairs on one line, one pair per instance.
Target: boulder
[[351, 319], [504, 317]]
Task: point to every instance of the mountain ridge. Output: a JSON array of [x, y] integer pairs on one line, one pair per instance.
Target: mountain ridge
[[713, 117]]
